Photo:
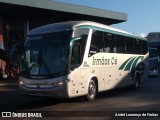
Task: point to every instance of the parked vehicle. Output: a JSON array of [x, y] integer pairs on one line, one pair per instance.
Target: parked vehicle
[[153, 62]]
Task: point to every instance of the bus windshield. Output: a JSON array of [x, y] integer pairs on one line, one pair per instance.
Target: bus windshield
[[46, 54]]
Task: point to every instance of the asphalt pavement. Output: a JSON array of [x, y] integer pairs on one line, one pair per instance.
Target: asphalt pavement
[[145, 99], [9, 81]]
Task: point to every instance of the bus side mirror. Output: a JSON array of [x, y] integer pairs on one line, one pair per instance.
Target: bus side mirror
[[76, 55]]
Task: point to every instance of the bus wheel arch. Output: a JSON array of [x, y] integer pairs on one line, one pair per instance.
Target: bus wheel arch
[[92, 89]]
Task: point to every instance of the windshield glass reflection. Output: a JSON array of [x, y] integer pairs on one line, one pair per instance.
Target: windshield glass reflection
[[46, 54]]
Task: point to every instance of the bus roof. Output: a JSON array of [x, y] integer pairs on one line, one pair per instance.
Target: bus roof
[[71, 25]]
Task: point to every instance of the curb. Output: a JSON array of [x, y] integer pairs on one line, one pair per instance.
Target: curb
[[8, 84]]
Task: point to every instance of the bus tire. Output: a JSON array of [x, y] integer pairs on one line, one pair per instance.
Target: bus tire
[[136, 81], [91, 90]]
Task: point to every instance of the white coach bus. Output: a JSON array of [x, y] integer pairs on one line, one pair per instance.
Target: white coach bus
[[81, 58]]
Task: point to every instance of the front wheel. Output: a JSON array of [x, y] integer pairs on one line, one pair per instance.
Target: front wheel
[[91, 91]]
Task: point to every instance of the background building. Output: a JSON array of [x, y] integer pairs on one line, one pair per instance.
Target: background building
[[17, 17]]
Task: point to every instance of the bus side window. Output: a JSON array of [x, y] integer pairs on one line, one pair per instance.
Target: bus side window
[[82, 33], [97, 43], [129, 45], [120, 44], [137, 46], [109, 40]]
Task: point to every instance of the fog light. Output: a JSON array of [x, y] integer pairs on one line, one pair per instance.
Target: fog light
[[60, 83]]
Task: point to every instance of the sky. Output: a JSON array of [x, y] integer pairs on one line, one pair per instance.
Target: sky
[[143, 15]]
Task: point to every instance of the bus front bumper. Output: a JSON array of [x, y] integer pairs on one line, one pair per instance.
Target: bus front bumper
[[58, 92]]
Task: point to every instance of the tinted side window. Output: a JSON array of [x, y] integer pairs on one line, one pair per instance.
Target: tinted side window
[[129, 45], [137, 46], [144, 47], [109, 41], [97, 42], [120, 44], [83, 34], [81, 31]]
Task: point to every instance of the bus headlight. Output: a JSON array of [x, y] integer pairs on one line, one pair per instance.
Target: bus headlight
[[21, 82]]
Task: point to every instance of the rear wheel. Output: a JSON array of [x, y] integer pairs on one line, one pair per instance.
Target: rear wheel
[[91, 90], [136, 82]]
